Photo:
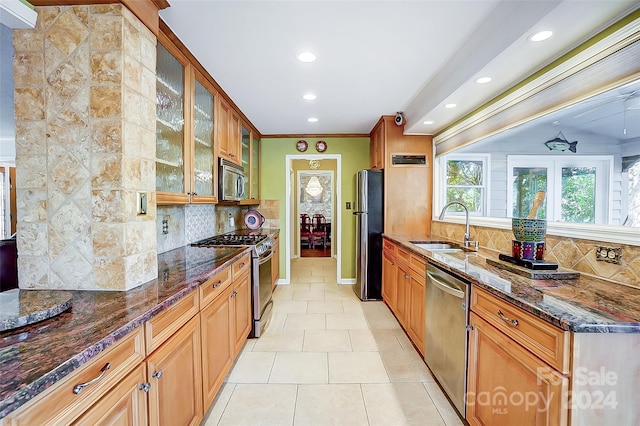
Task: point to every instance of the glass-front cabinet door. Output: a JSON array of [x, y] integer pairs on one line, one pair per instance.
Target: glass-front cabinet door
[[250, 160], [204, 166], [246, 160], [255, 168], [170, 118]]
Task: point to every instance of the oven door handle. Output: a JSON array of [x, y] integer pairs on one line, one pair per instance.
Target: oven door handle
[[262, 259]]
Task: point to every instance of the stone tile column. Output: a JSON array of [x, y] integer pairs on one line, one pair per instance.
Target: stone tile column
[[85, 148]]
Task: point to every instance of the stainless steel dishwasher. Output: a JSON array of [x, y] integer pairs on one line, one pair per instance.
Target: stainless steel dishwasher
[[446, 320]]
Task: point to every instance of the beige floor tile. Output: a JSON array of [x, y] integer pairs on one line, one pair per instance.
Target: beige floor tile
[[346, 321], [446, 410], [283, 293], [405, 366], [300, 367], [252, 367], [307, 295], [280, 341], [340, 294], [249, 344], [325, 307], [326, 341], [381, 320], [277, 323], [404, 340], [356, 367], [334, 404], [374, 340], [305, 322], [396, 404], [290, 306], [352, 305], [212, 417], [255, 404], [312, 279]]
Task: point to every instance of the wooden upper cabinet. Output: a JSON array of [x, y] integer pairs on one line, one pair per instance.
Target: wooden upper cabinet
[[250, 165], [229, 134], [171, 116], [376, 147], [204, 169], [406, 160], [186, 169]]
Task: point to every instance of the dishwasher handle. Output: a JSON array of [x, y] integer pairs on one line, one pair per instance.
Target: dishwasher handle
[[445, 287]]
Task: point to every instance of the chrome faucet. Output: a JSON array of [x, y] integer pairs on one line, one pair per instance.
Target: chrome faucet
[[468, 243]]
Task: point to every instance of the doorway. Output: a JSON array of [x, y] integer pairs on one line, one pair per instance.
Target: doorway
[[315, 193], [322, 166]]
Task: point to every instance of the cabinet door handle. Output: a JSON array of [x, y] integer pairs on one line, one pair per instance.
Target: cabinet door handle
[[218, 284], [406, 277], [145, 387], [157, 374], [513, 322], [78, 388], [235, 293]]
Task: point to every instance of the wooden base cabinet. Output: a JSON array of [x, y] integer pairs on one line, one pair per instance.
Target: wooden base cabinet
[[403, 289], [175, 378], [125, 404], [217, 346], [507, 385], [241, 311]]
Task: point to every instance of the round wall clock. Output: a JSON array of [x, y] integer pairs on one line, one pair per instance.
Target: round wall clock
[[321, 146], [302, 146]]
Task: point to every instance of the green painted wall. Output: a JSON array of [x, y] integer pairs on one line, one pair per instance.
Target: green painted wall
[[273, 174]]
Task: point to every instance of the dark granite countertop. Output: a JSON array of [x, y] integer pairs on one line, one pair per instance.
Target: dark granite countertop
[[583, 305], [34, 357]]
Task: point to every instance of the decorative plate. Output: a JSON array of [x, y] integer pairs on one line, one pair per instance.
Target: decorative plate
[[314, 164], [253, 219], [302, 146], [321, 146]]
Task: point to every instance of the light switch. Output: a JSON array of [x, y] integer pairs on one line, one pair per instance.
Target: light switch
[[142, 203], [348, 205]]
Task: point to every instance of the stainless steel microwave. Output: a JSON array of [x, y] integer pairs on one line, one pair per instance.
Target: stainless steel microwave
[[230, 181]]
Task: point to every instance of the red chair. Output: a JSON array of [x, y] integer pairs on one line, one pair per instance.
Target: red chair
[[306, 234], [319, 230]]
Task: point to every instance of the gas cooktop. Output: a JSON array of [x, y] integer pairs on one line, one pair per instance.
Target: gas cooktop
[[231, 240]]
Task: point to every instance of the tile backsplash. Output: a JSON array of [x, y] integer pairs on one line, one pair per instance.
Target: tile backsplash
[[194, 222], [571, 253]]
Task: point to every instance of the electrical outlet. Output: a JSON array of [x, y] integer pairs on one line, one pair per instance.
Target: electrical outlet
[[609, 254], [165, 225]]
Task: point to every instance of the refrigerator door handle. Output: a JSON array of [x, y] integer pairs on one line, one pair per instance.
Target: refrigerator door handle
[[359, 213]]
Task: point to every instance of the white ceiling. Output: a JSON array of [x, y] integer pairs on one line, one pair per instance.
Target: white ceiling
[[376, 57]]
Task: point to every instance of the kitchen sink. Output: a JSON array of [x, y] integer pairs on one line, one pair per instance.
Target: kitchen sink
[[439, 246]]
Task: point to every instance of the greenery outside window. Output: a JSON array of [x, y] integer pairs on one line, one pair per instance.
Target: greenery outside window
[[577, 187], [465, 178]]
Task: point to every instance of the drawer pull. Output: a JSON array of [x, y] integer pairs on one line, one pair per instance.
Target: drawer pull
[[513, 322], [218, 284], [241, 265], [157, 374], [78, 388]]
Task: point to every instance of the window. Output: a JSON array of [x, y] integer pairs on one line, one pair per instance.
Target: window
[[577, 187], [465, 178]]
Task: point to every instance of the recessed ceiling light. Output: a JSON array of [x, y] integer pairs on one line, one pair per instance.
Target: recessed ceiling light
[[312, 120], [542, 35], [309, 97], [428, 122], [450, 105], [306, 57], [483, 80]]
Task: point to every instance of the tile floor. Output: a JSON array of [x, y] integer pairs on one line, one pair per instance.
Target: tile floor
[[329, 359]]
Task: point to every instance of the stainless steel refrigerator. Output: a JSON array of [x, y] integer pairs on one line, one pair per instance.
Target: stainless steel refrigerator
[[369, 226]]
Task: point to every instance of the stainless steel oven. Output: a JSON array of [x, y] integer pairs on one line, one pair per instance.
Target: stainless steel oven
[[261, 289]]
